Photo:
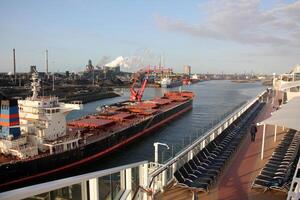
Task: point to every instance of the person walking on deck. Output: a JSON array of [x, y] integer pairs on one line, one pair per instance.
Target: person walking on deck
[[253, 131]]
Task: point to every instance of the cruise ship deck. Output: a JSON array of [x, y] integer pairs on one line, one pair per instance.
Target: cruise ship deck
[[236, 180]]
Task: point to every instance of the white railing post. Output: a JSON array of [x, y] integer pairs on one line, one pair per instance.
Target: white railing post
[[275, 133], [143, 178], [212, 136], [94, 189], [190, 155], [123, 180], [128, 178], [220, 130], [84, 192], [174, 167], [202, 144], [164, 179], [263, 142]]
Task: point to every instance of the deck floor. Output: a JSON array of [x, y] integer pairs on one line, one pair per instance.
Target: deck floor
[[236, 180]]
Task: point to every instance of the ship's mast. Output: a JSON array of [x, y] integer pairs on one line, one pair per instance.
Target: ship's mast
[[35, 85]]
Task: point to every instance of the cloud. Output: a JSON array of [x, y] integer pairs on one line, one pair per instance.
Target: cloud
[[242, 21]]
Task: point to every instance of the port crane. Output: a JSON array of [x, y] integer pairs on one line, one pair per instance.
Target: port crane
[[136, 95]]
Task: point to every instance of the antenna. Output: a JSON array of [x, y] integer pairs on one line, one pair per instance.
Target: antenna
[[53, 81], [160, 62], [93, 76], [14, 62], [46, 61]]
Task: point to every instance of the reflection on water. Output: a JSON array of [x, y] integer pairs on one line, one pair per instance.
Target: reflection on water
[[213, 100]]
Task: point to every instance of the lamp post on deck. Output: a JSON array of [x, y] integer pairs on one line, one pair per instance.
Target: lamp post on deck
[[155, 144]]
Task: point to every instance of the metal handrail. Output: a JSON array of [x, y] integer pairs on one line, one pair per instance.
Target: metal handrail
[[137, 191]]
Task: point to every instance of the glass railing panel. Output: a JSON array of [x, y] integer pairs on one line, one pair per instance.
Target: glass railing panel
[[135, 178], [72, 192], [169, 174], [116, 186], [105, 187]]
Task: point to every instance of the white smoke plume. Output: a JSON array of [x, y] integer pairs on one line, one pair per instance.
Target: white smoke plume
[[143, 57], [119, 61]]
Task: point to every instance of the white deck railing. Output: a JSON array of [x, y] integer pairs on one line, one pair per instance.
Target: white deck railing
[[125, 183]]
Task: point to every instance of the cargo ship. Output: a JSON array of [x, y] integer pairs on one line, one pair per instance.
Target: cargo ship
[[36, 140]]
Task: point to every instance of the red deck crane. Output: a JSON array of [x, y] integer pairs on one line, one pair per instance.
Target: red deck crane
[[136, 95]]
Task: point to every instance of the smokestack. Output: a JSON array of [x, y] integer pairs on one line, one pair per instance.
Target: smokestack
[[46, 57], [14, 61]]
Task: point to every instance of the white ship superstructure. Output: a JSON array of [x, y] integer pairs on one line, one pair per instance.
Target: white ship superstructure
[[289, 83], [165, 82], [42, 125], [195, 77]]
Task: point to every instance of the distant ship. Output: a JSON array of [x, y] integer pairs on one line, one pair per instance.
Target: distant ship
[[36, 140], [167, 82], [195, 78], [191, 80]]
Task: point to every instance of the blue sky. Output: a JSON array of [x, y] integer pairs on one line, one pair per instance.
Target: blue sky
[[211, 36]]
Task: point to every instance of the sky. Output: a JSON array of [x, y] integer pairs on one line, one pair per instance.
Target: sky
[[230, 36]]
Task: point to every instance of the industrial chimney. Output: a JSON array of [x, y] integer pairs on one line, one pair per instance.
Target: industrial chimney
[[14, 61], [46, 60]]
